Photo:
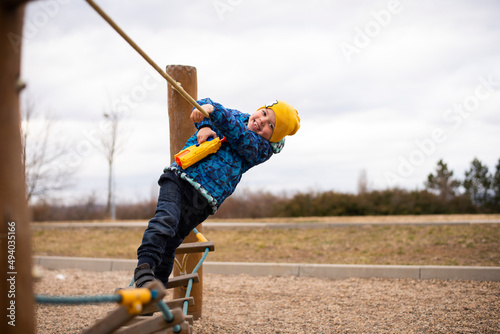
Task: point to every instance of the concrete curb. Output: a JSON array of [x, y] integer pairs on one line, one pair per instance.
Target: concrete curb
[[252, 225], [335, 271]]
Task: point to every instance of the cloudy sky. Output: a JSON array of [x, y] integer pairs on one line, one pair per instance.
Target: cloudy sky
[[389, 87]]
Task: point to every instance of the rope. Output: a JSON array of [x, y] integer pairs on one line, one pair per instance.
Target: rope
[[185, 305], [203, 257], [171, 81], [116, 298], [78, 299], [167, 315], [190, 282]]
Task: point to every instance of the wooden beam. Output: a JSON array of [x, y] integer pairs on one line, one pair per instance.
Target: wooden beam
[[12, 3], [153, 324], [174, 303], [182, 281], [16, 289], [181, 128], [195, 247]]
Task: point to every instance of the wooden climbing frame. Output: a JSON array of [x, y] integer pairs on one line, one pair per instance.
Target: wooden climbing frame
[[121, 321]]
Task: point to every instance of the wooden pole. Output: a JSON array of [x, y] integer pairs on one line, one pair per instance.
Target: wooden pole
[[181, 128], [16, 291]]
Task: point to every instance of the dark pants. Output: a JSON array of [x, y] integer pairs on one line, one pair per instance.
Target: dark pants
[[180, 208]]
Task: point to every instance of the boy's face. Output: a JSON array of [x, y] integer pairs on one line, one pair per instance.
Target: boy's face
[[262, 122]]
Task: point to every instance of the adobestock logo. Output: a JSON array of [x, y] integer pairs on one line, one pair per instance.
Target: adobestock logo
[[371, 30], [224, 6], [137, 94], [45, 12], [454, 117]]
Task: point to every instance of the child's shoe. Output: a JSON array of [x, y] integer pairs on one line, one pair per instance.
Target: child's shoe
[[143, 274]]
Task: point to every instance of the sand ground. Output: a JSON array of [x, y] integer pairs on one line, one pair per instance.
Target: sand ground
[[246, 304]]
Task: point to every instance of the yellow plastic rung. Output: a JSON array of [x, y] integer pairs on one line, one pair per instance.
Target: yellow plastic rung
[[201, 237], [133, 299]]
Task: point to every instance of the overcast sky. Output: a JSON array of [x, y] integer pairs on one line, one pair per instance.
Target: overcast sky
[[389, 87]]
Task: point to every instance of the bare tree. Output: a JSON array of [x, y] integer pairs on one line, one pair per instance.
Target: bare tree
[[362, 182], [111, 146], [42, 154]]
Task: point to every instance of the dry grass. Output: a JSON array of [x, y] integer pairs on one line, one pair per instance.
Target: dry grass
[[471, 245], [88, 242], [465, 245]]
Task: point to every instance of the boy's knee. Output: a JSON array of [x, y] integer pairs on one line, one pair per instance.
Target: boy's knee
[[162, 226]]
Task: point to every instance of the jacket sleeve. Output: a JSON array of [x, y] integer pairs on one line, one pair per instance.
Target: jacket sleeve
[[249, 145], [206, 121]]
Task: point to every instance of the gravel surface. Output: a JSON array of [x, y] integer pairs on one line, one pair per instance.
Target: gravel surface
[[246, 304]]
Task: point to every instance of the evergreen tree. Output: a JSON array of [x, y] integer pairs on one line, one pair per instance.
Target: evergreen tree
[[477, 183], [442, 182], [495, 185]]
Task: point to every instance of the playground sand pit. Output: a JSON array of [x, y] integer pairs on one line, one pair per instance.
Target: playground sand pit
[[247, 304]]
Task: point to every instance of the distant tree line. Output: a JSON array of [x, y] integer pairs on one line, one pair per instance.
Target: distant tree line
[[477, 192], [91, 209], [46, 160]]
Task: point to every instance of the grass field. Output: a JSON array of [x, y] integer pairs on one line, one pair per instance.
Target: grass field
[[463, 245]]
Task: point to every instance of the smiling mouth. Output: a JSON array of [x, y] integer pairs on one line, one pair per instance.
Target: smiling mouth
[[255, 125]]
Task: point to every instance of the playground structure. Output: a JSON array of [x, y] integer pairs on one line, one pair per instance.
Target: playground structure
[[144, 301], [16, 238]]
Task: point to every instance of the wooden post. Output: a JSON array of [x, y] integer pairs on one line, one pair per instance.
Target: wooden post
[[181, 128], [16, 291]]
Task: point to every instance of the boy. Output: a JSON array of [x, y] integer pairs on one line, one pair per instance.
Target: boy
[[188, 196]]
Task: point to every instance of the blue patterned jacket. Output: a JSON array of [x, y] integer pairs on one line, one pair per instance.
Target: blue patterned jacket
[[217, 176]]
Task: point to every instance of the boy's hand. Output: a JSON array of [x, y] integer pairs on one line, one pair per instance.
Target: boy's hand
[[204, 134], [197, 116]]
